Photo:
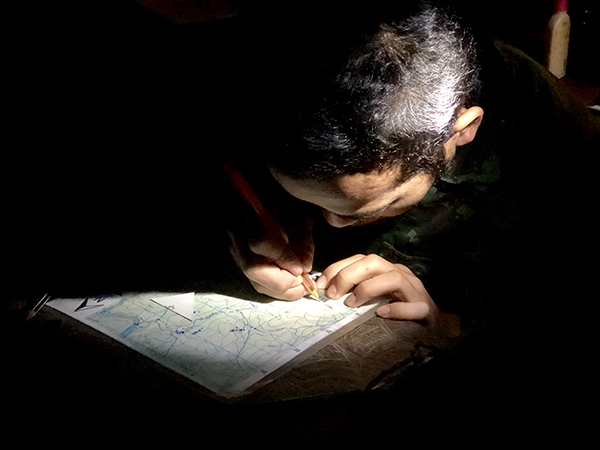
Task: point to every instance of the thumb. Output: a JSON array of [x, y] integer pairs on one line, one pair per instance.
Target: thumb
[[404, 311]]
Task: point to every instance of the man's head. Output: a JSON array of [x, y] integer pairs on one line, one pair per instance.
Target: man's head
[[379, 121], [360, 198]]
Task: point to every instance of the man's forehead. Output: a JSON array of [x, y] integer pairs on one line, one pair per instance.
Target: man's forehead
[[358, 185], [347, 194], [363, 185]]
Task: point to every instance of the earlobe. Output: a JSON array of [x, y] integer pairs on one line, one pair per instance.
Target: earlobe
[[467, 124]]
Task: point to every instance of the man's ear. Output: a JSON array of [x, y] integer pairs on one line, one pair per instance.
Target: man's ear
[[466, 125]]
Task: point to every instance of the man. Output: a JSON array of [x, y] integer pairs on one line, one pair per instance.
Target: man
[[414, 121]]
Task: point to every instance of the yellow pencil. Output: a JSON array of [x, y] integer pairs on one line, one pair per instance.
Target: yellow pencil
[[310, 285]]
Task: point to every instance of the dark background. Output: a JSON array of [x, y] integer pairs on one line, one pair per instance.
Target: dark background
[[115, 127], [118, 117]]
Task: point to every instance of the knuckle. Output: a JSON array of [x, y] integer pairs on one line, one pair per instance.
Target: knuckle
[[409, 271], [418, 284], [342, 273], [398, 279], [343, 277], [376, 261]]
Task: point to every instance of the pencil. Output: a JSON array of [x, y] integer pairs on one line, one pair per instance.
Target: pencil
[[310, 285], [40, 304], [247, 193]]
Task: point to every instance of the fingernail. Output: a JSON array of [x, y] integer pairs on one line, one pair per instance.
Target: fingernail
[[384, 311], [296, 283], [350, 300], [295, 269], [307, 267]]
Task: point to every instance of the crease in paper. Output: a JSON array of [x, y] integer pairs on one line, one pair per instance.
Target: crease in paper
[[182, 304]]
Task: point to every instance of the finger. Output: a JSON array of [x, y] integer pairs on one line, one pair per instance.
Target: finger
[[404, 269], [307, 256], [274, 278], [324, 281], [405, 311], [304, 247], [291, 294], [391, 283], [266, 277], [302, 243], [356, 273], [275, 249]]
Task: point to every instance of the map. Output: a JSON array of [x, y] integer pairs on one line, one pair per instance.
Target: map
[[228, 344]]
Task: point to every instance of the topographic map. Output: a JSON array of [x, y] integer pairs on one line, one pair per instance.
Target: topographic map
[[229, 344]]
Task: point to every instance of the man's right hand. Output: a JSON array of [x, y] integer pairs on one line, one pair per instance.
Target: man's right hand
[[273, 264]]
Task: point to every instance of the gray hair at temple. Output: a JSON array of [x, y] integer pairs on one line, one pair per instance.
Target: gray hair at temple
[[387, 96]]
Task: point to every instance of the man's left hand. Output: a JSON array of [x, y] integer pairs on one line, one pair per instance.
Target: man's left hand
[[368, 277]]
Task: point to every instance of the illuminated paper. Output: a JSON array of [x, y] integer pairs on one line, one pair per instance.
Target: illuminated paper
[[182, 304], [232, 345]]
